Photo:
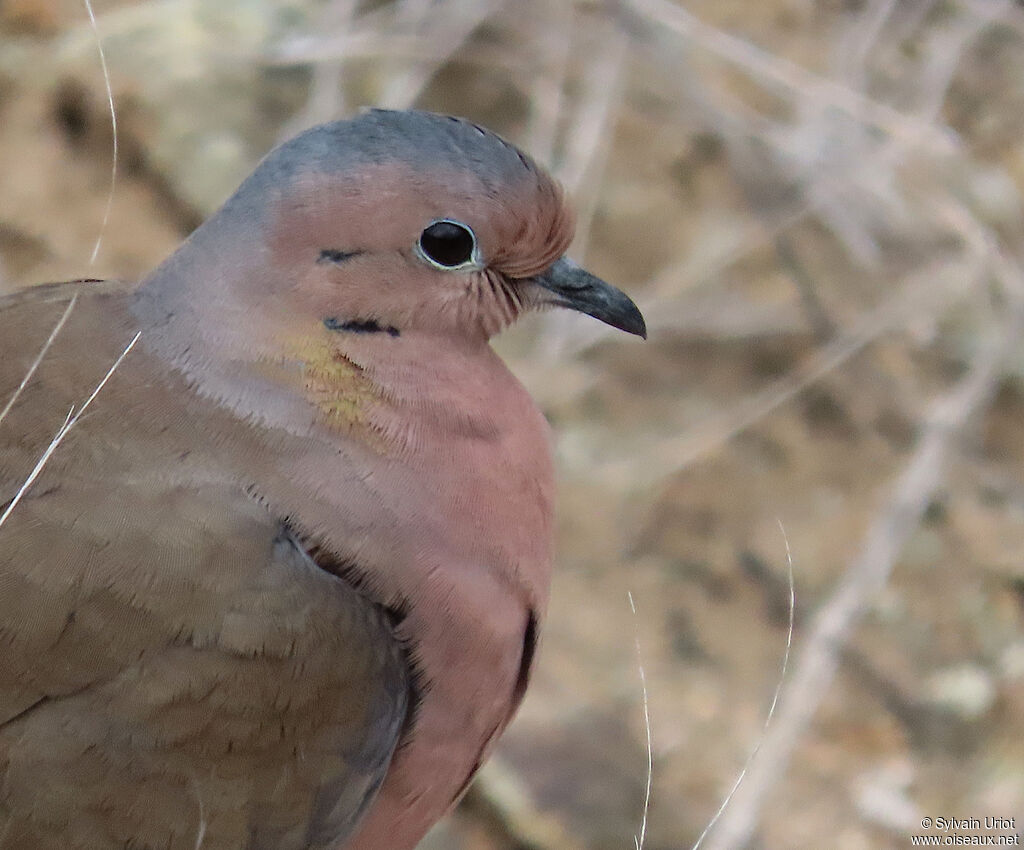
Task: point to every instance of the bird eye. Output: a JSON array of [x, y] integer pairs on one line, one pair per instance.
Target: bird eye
[[448, 244]]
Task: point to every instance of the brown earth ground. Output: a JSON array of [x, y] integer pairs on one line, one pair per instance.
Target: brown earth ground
[[794, 192]]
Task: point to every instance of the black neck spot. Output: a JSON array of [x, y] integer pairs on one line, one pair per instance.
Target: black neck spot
[[333, 255], [364, 326], [526, 658]]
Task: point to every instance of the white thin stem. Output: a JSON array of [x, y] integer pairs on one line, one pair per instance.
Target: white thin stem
[[39, 357], [775, 698], [639, 837], [113, 129], [69, 422], [201, 827]]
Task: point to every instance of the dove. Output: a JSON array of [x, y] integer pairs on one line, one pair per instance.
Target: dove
[[276, 531]]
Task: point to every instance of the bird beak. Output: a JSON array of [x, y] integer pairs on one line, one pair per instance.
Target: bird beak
[[577, 289]]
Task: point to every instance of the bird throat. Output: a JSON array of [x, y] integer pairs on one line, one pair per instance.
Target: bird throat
[[342, 392]]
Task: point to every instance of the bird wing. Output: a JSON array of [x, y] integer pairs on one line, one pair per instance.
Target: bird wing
[[175, 670]]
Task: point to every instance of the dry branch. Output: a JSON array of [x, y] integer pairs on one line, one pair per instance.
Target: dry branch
[[930, 290], [867, 575], [326, 95], [792, 78]]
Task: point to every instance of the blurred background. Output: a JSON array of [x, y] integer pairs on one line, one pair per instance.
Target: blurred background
[[818, 205]]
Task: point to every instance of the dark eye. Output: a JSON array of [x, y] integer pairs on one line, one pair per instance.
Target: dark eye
[[448, 244]]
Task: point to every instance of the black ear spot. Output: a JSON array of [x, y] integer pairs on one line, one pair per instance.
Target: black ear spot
[[359, 326], [448, 244], [333, 255]]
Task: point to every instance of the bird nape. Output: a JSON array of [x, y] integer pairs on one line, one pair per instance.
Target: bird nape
[[281, 586]]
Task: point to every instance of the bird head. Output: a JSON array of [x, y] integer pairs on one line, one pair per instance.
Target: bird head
[[410, 221], [362, 258]]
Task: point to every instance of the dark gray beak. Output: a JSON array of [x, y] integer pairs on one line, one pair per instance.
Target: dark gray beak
[[578, 289]]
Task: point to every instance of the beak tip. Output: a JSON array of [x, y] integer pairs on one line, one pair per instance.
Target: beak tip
[[577, 289], [630, 319], [636, 330], [641, 330]]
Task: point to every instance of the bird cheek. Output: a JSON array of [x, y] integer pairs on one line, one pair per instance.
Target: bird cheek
[[332, 291], [529, 295]]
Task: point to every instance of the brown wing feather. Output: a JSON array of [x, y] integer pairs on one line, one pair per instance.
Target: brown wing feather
[[174, 670]]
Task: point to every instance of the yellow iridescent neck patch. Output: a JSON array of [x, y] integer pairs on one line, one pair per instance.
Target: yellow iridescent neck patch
[[338, 387]]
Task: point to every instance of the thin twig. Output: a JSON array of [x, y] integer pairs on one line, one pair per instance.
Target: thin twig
[[39, 357], [771, 69], [113, 129], [202, 825], [547, 92], [450, 25], [69, 422], [948, 46], [586, 152], [853, 50], [326, 99], [775, 697], [638, 839], [932, 289]]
